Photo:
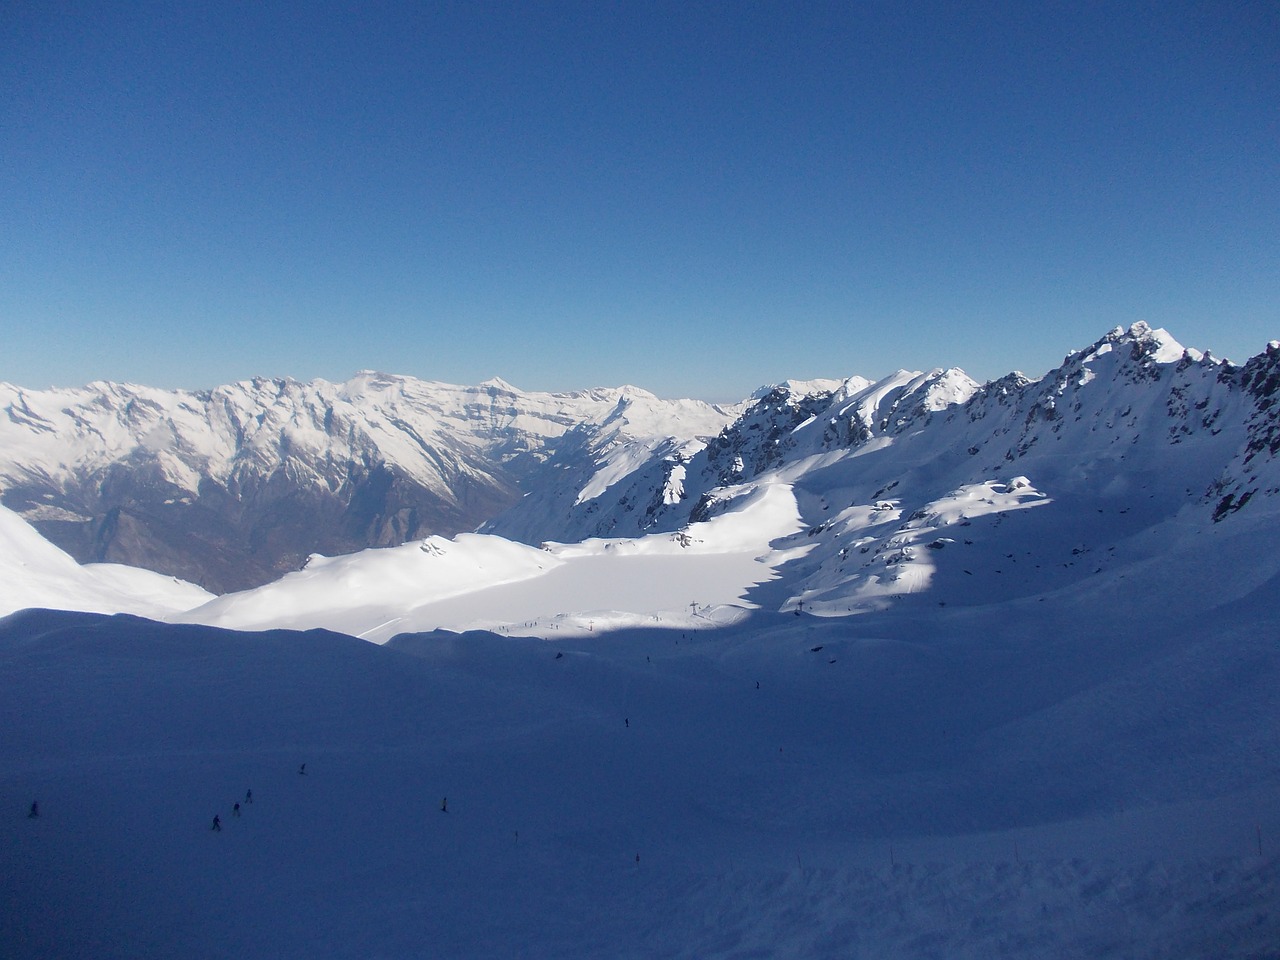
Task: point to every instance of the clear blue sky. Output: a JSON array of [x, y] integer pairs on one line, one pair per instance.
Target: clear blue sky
[[694, 197]]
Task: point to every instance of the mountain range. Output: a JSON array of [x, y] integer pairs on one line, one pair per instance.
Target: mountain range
[[234, 486], [914, 667]]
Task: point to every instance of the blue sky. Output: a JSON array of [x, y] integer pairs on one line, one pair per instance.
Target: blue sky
[[697, 198]]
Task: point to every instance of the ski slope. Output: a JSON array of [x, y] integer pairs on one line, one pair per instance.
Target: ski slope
[[786, 787], [1086, 770]]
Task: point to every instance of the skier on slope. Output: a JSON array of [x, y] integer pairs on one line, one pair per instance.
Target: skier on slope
[[217, 823]]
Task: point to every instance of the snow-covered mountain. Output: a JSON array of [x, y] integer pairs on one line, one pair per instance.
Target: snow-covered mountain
[[1137, 459], [35, 573], [1130, 442], [234, 486], [911, 668]]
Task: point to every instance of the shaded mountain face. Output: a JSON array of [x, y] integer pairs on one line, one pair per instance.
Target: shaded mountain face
[[233, 487]]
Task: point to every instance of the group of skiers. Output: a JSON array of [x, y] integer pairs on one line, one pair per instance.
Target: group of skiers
[[235, 810], [216, 826], [34, 810], [248, 798]]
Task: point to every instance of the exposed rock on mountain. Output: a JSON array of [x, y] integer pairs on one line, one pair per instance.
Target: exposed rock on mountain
[[234, 486], [1133, 442]]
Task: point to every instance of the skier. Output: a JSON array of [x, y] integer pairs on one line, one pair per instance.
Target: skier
[[217, 823], [248, 796], [235, 811], [303, 770], [444, 805], [35, 809]]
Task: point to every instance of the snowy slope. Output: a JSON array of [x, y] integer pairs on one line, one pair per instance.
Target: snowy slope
[[789, 787], [697, 579], [915, 482], [35, 573]]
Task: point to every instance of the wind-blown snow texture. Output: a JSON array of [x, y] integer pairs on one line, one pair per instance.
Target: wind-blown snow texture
[[915, 668]]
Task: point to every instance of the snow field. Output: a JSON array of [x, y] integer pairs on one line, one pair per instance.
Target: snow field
[[919, 796], [693, 579]]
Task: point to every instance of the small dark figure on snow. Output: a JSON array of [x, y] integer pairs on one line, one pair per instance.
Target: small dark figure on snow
[[248, 796], [303, 770], [217, 823], [627, 721], [235, 811], [444, 805], [35, 809]]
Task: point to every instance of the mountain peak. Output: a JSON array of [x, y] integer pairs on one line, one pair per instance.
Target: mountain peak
[[803, 388], [1154, 343], [1141, 344]]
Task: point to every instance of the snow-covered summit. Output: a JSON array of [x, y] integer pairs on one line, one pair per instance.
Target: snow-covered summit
[[804, 388]]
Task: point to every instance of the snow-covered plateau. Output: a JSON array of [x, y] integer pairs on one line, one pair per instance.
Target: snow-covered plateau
[[909, 668]]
